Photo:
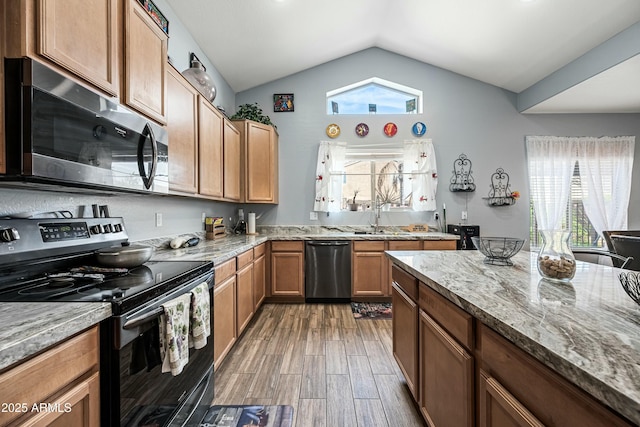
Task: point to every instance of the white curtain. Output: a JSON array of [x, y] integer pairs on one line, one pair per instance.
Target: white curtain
[[551, 163], [605, 178], [420, 163], [605, 175], [328, 177]]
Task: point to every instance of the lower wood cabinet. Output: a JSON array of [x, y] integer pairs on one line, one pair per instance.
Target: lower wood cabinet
[[369, 266], [498, 408], [405, 333], [259, 275], [287, 269], [518, 390], [65, 377], [244, 291], [224, 311], [446, 377]]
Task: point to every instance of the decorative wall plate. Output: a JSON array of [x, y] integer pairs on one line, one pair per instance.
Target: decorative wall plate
[[333, 130], [419, 128], [390, 129], [362, 129]]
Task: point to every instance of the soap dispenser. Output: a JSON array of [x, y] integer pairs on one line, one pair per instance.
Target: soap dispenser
[[241, 225]]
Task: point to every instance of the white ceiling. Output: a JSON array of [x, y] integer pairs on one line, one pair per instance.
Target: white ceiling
[[511, 44]]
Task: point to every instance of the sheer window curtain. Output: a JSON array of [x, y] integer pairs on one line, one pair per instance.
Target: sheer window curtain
[[420, 162], [329, 170], [606, 166], [551, 161]]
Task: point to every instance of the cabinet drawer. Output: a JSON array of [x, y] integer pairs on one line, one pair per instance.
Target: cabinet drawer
[[259, 250], [405, 245], [406, 282], [457, 322], [225, 270], [36, 379], [245, 258], [287, 246], [368, 246], [439, 245]]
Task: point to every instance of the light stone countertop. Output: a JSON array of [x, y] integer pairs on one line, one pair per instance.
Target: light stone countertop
[[28, 328], [587, 331]]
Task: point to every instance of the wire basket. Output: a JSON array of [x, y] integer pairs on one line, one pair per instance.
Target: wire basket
[[498, 250], [631, 284]]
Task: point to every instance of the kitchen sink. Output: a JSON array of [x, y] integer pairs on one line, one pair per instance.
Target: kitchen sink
[[382, 233]]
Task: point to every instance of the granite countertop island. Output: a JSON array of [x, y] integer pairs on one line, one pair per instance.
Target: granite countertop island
[[588, 331]]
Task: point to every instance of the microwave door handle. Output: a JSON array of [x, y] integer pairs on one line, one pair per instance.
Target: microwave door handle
[[148, 180]]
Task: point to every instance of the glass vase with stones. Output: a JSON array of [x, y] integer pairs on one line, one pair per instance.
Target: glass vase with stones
[[556, 262]]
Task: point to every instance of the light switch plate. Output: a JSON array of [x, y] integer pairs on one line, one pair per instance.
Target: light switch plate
[[313, 216], [158, 219], [464, 215]]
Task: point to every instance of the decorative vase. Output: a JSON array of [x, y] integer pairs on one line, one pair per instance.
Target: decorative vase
[[555, 259]]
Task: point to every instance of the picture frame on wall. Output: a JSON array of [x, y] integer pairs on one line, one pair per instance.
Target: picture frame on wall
[[283, 102]]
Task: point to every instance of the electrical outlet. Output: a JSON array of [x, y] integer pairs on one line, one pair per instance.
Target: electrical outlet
[[313, 216], [158, 219], [204, 216], [464, 215], [436, 216]]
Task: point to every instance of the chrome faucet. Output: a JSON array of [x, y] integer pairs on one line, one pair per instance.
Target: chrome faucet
[[377, 208]]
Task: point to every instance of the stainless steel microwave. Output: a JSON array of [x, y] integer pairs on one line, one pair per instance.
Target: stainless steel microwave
[[60, 132]]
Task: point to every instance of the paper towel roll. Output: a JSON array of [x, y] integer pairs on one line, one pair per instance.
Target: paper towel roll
[[251, 223]]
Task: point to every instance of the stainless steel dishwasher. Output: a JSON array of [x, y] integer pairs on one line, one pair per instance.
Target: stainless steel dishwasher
[[328, 271]]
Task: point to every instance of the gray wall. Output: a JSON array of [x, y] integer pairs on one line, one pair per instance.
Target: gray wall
[[462, 116]]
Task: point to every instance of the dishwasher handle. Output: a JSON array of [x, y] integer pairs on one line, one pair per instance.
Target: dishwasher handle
[[332, 243]]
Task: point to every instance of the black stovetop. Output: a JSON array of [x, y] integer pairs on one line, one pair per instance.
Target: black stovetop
[[86, 283]]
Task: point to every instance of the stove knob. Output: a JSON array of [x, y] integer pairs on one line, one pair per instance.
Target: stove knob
[[96, 229], [117, 228], [107, 228], [9, 235]]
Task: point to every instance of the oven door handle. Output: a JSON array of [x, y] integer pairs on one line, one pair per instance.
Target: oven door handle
[[134, 322]]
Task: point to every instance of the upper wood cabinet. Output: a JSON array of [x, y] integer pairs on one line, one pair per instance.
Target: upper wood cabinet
[[259, 156], [79, 36], [210, 149], [145, 62], [182, 126], [231, 167]]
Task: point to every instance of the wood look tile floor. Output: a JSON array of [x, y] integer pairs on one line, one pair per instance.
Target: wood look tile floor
[[333, 370]]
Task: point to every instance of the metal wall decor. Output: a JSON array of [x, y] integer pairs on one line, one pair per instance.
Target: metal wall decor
[[500, 191], [462, 179]]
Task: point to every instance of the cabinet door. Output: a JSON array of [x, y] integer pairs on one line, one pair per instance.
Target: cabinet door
[[182, 127], [224, 319], [370, 274], [145, 62], [446, 377], [399, 245], [210, 155], [244, 295], [80, 407], [81, 38], [287, 274], [498, 408], [259, 281], [231, 162], [260, 164], [405, 337]]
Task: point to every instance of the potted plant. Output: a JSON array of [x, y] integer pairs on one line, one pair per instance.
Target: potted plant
[[252, 112], [353, 206]]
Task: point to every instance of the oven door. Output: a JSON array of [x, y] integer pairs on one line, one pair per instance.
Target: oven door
[[135, 392]]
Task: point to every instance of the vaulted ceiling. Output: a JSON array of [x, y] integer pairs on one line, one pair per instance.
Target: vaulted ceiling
[[560, 55]]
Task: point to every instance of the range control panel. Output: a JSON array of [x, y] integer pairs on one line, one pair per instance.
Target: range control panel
[[22, 239]]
